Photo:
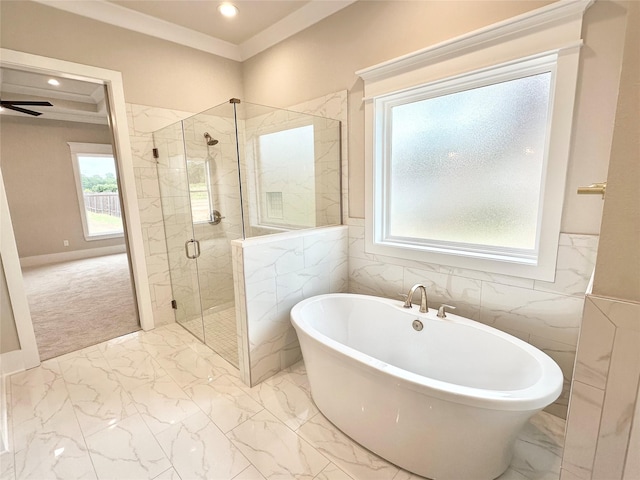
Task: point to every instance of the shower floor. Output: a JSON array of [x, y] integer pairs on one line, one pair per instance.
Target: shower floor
[[219, 332]]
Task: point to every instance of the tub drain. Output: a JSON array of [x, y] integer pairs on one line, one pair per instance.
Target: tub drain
[[417, 325]]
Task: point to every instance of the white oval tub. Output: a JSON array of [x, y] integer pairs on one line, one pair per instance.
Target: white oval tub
[[446, 402]]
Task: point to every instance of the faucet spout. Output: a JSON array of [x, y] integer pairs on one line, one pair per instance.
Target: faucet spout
[[423, 297]]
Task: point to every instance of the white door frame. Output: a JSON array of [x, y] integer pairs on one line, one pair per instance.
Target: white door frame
[[122, 147]]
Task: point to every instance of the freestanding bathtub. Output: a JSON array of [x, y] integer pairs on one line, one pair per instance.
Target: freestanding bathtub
[[446, 402]]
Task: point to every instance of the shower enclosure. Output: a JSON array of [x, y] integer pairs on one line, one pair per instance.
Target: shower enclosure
[[235, 171]]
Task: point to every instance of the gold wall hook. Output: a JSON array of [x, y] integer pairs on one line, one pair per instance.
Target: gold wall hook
[[593, 189]]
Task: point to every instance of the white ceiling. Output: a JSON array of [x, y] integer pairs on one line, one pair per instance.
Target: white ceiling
[[259, 24]]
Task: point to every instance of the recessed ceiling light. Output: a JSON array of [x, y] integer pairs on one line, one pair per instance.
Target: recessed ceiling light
[[228, 10], [53, 81]]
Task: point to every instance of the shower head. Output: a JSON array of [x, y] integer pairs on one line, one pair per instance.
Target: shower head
[[210, 141]]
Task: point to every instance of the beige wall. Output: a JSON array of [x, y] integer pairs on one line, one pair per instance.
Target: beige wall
[[325, 57], [8, 333], [155, 72], [618, 265], [38, 175]]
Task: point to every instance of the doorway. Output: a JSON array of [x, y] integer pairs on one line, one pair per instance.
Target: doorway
[[61, 181], [27, 355]]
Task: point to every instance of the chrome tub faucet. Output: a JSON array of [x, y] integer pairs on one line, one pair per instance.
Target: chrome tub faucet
[[423, 297]]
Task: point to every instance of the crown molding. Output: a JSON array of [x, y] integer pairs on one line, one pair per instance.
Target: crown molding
[[303, 18], [120, 16]]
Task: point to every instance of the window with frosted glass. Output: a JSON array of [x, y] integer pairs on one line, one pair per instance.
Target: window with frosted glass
[[466, 167]]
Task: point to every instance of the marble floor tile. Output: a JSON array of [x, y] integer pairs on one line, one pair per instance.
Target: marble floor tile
[[249, 473], [186, 366], [331, 472], [98, 398], [127, 450], [223, 401], [162, 403], [54, 456], [290, 403], [170, 474], [197, 449], [353, 459], [275, 450], [158, 405]]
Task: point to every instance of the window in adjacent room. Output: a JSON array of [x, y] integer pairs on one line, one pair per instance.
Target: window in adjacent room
[[97, 187]]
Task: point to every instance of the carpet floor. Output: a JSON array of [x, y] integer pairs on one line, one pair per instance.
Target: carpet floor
[[80, 303]]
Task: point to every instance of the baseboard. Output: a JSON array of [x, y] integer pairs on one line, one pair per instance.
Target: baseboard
[[37, 260], [11, 362]]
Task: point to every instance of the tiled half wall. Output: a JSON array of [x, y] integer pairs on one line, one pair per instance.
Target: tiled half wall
[[272, 274]]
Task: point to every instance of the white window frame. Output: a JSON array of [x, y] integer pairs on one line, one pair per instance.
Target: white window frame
[[93, 149], [547, 37]]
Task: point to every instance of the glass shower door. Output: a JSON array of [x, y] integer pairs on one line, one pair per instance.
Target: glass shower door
[[200, 193], [182, 246]]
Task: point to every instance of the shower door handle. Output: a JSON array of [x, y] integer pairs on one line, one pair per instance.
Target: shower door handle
[[196, 243], [186, 249]]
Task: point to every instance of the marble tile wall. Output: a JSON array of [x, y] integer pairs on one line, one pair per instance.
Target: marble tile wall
[[544, 314], [311, 192], [604, 394], [278, 272]]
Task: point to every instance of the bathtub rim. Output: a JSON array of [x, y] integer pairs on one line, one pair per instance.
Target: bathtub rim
[[534, 397]]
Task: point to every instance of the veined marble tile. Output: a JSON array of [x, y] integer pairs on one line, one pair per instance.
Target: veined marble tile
[[538, 449], [276, 451], [225, 401], [98, 398], [621, 313], [127, 450], [542, 314], [170, 474], [134, 367], [142, 150], [375, 278], [39, 392], [574, 266], [582, 433], [186, 366], [597, 334], [198, 449], [264, 261], [331, 472], [289, 402], [150, 119], [292, 288], [162, 403], [54, 456], [249, 473], [619, 405], [7, 466], [161, 342], [355, 460]]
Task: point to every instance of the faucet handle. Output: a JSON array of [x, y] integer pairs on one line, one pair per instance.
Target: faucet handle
[[442, 312]]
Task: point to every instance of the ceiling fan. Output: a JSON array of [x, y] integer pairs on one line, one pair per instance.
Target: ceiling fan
[[12, 105]]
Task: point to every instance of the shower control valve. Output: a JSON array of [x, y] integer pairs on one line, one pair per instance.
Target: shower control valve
[[215, 218]]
